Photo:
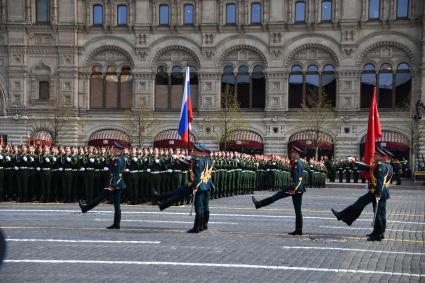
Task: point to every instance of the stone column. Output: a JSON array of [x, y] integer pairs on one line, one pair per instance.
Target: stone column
[[209, 90], [276, 90]]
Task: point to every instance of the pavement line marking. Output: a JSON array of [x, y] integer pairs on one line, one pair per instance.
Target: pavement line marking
[[365, 228], [83, 241], [211, 214], [350, 250], [221, 265], [218, 232], [163, 221]]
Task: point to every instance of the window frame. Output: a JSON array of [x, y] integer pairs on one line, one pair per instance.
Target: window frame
[[96, 5], [304, 72], [379, 11], [304, 14], [184, 14], [260, 15], [47, 82], [120, 6], [235, 14], [161, 6], [321, 11], [397, 11], [37, 20], [394, 71]]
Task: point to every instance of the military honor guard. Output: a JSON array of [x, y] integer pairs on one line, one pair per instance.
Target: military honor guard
[[116, 187], [295, 190], [381, 173]]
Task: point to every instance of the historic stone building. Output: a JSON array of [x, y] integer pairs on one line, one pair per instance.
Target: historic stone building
[[97, 59]]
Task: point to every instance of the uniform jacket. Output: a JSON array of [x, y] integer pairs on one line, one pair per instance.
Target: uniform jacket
[[201, 169], [381, 174], [296, 176], [117, 167]]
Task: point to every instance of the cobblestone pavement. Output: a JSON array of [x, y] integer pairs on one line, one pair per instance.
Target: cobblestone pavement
[[56, 243]]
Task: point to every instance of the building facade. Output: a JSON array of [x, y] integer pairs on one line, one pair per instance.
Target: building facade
[[99, 61]]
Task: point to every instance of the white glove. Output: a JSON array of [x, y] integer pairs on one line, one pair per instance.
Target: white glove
[[274, 163], [105, 169], [170, 171], [157, 160], [8, 158], [60, 169], [38, 169], [82, 169], [174, 156], [91, 160], [1, 157], [148, 170], [25, 158], [54, 159], [134, 159], [32, 159], [127, 170], [16, 168], [145, 159], [68, 159], [47, 159]]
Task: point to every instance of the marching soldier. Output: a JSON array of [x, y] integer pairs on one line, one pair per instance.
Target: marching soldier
[[295, 190], [381, 173], [116, 187]]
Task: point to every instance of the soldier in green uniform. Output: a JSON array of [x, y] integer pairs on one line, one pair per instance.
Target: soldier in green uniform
[[2, 166], [115, 188], [67, 178], [55, 165], [45, 163], [340, 171], [295, 190], [381, 173]]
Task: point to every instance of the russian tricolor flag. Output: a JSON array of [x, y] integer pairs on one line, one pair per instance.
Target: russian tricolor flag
[[186, 115]]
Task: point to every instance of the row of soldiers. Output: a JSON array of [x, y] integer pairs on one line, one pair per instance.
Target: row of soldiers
[[345, 171], [68, 173]]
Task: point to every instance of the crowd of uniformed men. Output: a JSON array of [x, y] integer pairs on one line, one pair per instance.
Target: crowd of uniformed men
[[69, 173], [346, 171]]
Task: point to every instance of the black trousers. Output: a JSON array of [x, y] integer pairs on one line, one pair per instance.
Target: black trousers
[[175, 196], [297, 202], [116, 200]]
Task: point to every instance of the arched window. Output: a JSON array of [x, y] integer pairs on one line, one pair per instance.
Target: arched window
[[385, 82], [97, 15], [300, 12], [164, 15], [312, 84], [258, 87], [403, 85], [247, 90], [326, 10], [374, 7], [126, 88], [169, 88], [122, 15], [230, 14], [402, 9], [43, 11], [188, 14], [329, 84], [256, 13], [112, 90], [393, 89], [162, 83], [243, 87], [43, 90], [96, 88], [295, 90], [306, 88], [367, 84]]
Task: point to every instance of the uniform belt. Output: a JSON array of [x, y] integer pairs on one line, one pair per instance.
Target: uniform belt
[[177, 170], [157, 172], [134, 171], [45, 169], [24, 167], [90, 169], [67, 169], [1, 167]]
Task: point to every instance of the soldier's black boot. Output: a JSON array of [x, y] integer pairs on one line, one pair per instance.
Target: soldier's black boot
[[261, 203], [83, 206], [206, 219], [256, 202], [117, 220], [336, 213], [295, 233], [195, 228]]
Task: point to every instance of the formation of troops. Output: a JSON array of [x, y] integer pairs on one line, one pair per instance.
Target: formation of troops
[[168, 177], [68, 174]]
